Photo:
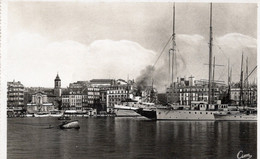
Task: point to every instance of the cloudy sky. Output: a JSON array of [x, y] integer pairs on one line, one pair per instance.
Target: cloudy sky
[[83, 40]]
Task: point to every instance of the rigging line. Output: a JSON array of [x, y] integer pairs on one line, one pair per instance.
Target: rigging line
[[221, 75], [217, 44], [162, 51], [251, 72]]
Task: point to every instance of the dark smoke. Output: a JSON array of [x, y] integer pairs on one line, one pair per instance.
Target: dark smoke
[[145, 79], [160, 75]]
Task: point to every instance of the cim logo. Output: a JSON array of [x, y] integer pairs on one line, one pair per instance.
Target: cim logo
[[241, 155]]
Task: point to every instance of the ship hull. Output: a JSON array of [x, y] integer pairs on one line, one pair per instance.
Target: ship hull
[[126, 113], [167, 114], [235, 117], [148, 113]]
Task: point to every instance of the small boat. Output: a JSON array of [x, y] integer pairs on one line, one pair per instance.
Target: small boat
[[70, 125], [64, 118], [56, 113], [41, 114], [29, 115]]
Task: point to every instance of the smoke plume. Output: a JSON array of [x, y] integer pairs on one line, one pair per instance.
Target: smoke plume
[[146, 77]]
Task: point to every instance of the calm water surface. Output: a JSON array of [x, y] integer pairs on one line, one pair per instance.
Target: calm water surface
[[108, 137]]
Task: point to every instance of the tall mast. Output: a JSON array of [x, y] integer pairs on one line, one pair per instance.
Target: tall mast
[[173, 40], [213, 85], [127, 89], [247, 81], [210, 55], [170, 67], [152, 93], [228, 74], [241, 82], [230, 80], [246, 72]]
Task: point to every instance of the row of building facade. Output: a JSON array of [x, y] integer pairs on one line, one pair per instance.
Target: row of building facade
[[103, 94], [185, 91], [99, 94]]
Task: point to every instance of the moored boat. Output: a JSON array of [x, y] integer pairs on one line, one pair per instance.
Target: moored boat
[[29, 115], [70, 125], [41, 114], [64, 118], [55, 113]]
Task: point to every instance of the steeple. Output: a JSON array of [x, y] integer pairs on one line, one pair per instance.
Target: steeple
[[57, 78], [57, 86]]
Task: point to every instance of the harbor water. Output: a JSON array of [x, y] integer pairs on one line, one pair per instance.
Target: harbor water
[[109, 137]]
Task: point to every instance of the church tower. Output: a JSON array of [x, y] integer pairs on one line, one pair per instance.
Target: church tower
[[57, 86]]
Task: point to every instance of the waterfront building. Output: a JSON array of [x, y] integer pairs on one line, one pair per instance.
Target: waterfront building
[[15, 97], [93, 95], [248, 98], [189, 94], [97, 93], [84, 94], [185, 91], [29, 91], [39, 103], [71, 101], [116, 94], [103, 98]]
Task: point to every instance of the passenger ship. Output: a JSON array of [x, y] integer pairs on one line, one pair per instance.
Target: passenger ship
[[133, 108], [127, 108]]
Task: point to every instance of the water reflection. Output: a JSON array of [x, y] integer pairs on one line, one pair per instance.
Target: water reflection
[[130, 138]]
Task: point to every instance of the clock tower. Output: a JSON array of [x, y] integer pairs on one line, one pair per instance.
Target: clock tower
[[57, 86]]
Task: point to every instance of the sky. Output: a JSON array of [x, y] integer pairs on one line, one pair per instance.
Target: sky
[[82, 40]]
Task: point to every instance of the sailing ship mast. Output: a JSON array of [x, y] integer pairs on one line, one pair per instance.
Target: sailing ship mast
[[127, 90], [213, 79], [246, 82], [241, 83], [173, 40], [171, 62], [210, 55], [229, 83]]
